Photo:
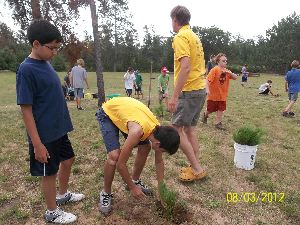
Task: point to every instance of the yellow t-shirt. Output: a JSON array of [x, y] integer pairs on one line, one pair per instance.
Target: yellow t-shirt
[[122, 110], [187, 43]]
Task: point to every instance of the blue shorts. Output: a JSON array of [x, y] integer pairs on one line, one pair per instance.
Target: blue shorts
[[59, 150], [244, 78], [293, 96], [128, 92], [110, 132], [78, 92]]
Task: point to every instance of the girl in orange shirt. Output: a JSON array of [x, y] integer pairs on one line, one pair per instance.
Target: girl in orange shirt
[[217, 84]]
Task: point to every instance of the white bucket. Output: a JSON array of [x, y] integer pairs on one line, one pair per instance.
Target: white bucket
[[244, 156]]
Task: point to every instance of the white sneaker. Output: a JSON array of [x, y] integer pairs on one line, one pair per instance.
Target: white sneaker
[[59, 216], [69, 197], [105, 202]]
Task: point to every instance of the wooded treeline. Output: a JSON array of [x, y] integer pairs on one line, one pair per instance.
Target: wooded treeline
[[120, 46]]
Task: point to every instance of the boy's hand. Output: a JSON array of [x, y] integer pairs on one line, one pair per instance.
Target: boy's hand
[[137, 193], [41, 153]]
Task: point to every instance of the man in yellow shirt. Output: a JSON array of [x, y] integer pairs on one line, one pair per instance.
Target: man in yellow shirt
[[140, 128], [189, 90]]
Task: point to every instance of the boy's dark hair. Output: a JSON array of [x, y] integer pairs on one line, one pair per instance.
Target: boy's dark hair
[[43, 31], [269, 81], [295, 64], [168, 137], [182, 15]]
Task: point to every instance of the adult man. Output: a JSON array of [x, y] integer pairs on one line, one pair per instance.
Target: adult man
[[78, 77], [189, 91], [140, 128], [129, 79]]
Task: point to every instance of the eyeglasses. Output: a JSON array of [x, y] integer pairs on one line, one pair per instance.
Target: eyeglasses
[[53, 48]]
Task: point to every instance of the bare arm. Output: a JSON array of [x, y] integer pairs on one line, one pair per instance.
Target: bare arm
[[134, 135], [286, 86], [182, 77], [71, 79], [40, 151]]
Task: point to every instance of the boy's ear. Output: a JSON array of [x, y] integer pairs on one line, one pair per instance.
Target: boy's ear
[[36, 43]]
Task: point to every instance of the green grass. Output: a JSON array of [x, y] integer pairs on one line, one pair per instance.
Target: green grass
[[276, 169]]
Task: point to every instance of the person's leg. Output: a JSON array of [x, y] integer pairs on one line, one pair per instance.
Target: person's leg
[[219, 116], [64, 175], [49, 191], [187, 149], [193, 139], [140, 160], [289, 106], [109, 169]]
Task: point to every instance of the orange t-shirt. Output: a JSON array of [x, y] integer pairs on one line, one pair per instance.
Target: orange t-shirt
[[218, 84]]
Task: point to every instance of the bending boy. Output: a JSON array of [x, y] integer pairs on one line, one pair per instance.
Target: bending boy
[[140, 128]]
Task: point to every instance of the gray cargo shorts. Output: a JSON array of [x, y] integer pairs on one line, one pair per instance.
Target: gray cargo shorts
[[190, 104]]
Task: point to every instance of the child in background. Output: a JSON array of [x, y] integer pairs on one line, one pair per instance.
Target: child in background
[[292, 86], [163, 83], [265, 88], [217, 89], [138, 84], [245, 74]]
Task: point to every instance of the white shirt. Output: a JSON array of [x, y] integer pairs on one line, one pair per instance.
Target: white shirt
[[129, 80], [264, 87]]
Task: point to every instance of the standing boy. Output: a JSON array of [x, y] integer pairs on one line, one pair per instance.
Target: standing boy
[[140, 128], [163, 84], [189, 91], [47, 120], [78, 78], [138, 84], [217, 90], [292, 86], [245, 75], [129, 79]]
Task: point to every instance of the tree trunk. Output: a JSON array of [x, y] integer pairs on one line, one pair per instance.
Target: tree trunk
[[36, 9], [115, 55], [99, 68]]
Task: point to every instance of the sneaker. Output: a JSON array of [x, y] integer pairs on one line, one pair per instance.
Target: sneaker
[[59, 216], [292, 113], [204, 118], [69, 197], [286, 114], [220, 126], [105, 202], [80, 108], [145, 189]]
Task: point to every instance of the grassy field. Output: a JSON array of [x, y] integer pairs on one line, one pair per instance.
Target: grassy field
[[277, 168]]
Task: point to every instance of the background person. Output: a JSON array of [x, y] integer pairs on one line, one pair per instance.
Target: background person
[[78, 78], [163, 85], [217, 90], [265, 88], [138, 84], [129, 79], [245, 75], [292, 86], [210, 64], [189, 90]]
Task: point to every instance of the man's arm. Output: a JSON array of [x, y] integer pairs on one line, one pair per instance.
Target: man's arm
[[134, 135], [40, 151], [71, 79], [182, 77]]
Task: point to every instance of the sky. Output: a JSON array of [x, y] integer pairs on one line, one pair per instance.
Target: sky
[[246, 18]]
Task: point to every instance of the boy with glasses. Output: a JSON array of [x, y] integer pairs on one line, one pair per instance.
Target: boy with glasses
[[47, 120]]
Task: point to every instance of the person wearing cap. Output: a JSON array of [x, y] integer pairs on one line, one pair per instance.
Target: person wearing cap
[[189, 90], [163, 83]]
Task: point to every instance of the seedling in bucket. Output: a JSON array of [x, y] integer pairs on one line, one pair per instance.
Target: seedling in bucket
[[246, 140]]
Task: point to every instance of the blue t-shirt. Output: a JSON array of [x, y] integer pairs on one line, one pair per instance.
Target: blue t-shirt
[[293, 79], [39, 85]]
